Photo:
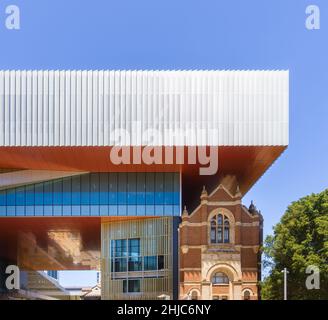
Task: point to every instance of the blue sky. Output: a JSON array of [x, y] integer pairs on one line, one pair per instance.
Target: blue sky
[[187, 34]]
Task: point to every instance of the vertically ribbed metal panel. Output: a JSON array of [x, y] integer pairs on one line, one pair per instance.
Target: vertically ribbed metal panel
[[101, 108]]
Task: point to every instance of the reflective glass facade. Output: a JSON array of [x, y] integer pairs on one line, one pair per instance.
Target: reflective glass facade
[[97, 194]]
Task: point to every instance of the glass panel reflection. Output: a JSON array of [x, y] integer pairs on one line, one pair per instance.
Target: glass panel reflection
[[142, 193]]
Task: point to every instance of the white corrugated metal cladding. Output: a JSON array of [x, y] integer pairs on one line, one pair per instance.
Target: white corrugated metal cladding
[[102, 108]]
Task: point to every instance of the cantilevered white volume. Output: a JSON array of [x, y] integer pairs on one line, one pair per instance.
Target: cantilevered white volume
[[103, 108]]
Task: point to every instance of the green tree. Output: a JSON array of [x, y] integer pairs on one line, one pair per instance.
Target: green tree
[[300, 239]]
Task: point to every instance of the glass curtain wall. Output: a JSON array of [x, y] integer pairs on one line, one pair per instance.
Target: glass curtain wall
[[97, 194]]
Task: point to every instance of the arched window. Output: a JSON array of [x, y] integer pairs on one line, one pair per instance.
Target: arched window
[[220, 278], [194, 295], [247, 295], [220, 229]]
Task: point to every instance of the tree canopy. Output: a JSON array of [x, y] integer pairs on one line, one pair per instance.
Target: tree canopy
[[299, 240]]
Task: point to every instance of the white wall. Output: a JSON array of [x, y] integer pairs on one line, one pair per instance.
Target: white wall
[[82, 108]]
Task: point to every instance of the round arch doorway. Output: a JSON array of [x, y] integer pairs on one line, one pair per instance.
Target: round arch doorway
[[224, 283]]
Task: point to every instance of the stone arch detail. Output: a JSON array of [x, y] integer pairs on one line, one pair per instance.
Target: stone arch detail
[[231, 273]]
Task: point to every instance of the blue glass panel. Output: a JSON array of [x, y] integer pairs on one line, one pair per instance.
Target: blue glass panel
[[76, 190], [104, 189], [109, 194], [85, 188], [94, 210], [94, 188], [121, 248], [103, 210], [141, 210], [57, 210], [11, 197], [133, 285], [29, 211], [168, 210], [3, 199], [85, 210], [135, 264], [47, 211], [121, 210], [3, 211], [131, 210], [20, 210], [76, 210], [48, 192], [67, 191], [176, 198], [150, 188], [29, 195], [38, 189], [67, 210], [120, 264], [150, 263], [134, 247], [168, 187], [159, 210], [176, 210], [150, 210], [131, 188], [159, 188], [141, 188], [38, 210], [112, 195], [20, 196], [112, 210], [11, 211], [58, 192], [176, 188], [121, 192]]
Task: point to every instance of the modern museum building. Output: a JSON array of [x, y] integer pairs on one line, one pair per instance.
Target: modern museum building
[[139, 175]]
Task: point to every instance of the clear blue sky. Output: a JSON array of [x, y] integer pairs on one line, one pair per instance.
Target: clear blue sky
[[203, 34]]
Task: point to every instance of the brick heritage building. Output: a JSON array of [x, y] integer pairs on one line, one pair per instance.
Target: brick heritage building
[[220, 246]]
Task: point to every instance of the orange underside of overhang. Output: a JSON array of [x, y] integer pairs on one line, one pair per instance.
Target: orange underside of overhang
[[247, 163], [57, 243]]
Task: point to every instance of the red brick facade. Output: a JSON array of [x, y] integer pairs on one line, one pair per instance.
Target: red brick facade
[[219, 247]]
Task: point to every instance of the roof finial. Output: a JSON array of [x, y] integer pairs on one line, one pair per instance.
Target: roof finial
[[204, 192], [238, 193], [252, 208], [185, 212]]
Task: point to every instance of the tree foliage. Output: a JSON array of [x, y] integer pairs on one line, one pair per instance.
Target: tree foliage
[[300, 239]]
